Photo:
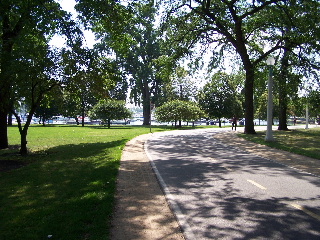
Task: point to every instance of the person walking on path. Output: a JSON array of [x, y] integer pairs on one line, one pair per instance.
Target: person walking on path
[[234, 123]]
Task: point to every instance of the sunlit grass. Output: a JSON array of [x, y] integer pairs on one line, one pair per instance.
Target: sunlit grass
[[301, 141], [67, 188]]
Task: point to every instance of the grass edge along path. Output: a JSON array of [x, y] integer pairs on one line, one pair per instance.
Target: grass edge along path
[[300, 162], [304, 142], [66, 191]]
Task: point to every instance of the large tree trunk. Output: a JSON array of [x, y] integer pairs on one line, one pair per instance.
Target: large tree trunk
[[24, 130], [8, 37], [249, 110], [282, 112], [3, 130], [10, 119], [5, 88], [24, 142], [146, 104], [10, 113], [23, 133], [43, 121], [82, 112], [77, 120], [283, 99], [4, 102], [146, 113], [249, 82]]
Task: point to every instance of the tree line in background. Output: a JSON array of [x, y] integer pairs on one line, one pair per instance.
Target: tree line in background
[[139, 56]]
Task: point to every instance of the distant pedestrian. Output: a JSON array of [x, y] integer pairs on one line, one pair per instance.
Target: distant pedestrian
[[234, 123], [294, 121]]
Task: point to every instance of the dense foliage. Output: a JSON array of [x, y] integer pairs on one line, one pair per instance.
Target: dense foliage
[[314, 101], [108, 109], [248, 30], [219, 98], [30, 68], [178, 110]]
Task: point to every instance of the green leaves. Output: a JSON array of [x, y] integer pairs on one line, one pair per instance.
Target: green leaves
[[108, 109], [178, 110], [219, 97]]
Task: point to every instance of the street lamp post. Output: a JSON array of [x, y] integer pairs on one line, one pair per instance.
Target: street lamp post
[[269, 137]]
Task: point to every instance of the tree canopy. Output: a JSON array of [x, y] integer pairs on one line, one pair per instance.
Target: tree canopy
[[28, 66], [314, 100], [108, 109], [178, 110], [219, 98], [247, 28], [136, 43]]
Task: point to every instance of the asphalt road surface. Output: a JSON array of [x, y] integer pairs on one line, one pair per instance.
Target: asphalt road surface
[[220, 192]]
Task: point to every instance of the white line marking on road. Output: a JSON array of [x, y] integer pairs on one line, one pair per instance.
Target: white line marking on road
[[256, 184], [213, 160], [299, 207], [182, 219]]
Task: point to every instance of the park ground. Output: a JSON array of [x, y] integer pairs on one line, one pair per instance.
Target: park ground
[[69, 179]]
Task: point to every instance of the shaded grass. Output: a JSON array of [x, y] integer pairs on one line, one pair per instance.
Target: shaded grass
[[67, 188], [300, 141]]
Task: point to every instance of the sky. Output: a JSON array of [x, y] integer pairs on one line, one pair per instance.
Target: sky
[[58, 41]]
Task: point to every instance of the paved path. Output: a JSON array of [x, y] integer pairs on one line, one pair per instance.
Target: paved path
[[141, 211], [223, 192]]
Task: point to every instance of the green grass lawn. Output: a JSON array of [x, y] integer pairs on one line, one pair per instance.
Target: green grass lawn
[[301, 141], [67, 188]]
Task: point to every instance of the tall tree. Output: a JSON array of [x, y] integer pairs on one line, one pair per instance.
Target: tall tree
[[219, 98], [22, 22], [89, 75], [134, 41], [38, 77], [297, 58], [108, 109], [245, 27], [314, 100], [178, 110], [47, 110], [180, 85], [139, 58]]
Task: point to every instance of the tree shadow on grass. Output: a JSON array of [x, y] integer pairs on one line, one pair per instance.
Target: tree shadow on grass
[[299, 144], [67, 194]]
